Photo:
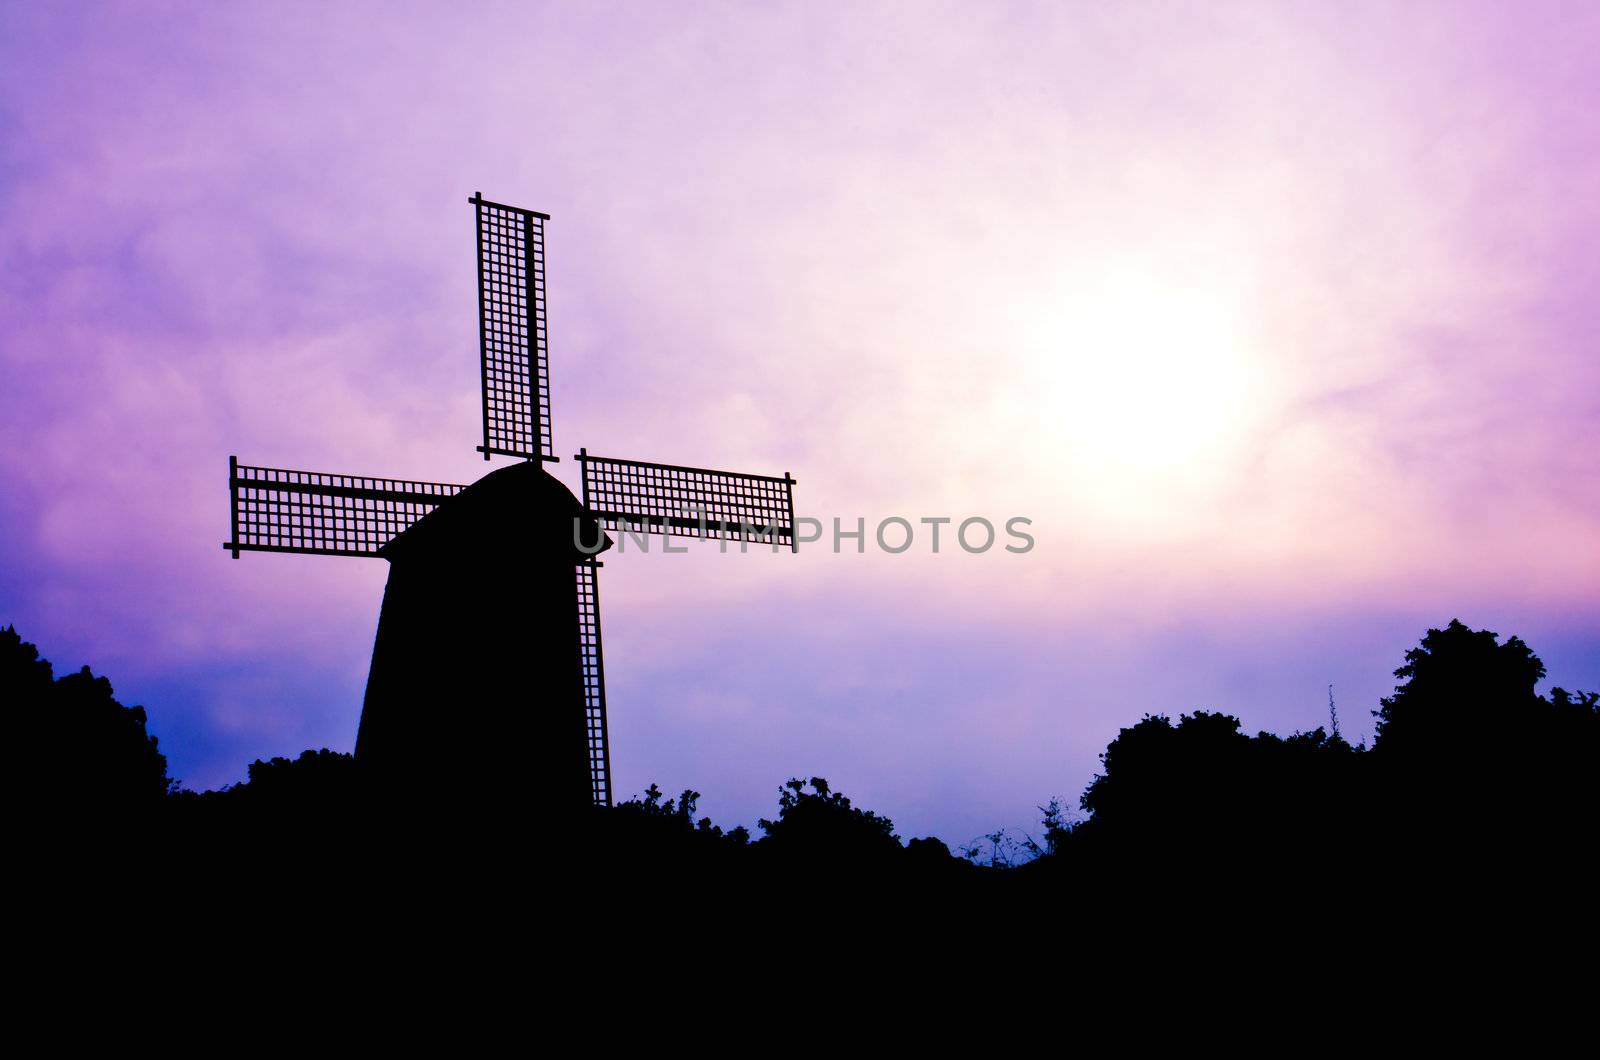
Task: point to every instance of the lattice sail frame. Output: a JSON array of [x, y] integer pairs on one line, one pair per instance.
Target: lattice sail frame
[[592, 662], [323, 514], [513, 330], [689, 501]]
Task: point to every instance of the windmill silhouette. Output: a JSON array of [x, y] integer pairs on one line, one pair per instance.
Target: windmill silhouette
[[487, 673]]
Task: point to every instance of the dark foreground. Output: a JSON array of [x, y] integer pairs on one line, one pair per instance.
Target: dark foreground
[[1472, 819]]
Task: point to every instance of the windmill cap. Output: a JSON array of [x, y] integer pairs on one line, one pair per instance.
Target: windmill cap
[[517, 511]]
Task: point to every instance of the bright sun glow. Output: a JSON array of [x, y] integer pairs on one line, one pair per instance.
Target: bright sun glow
[[1146, 388]]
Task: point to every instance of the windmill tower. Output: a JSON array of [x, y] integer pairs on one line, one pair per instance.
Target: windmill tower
[[487, 674]]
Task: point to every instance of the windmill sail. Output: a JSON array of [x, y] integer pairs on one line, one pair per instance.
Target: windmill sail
[[592, 663], [513, 331], [689, 501], [278, 510]]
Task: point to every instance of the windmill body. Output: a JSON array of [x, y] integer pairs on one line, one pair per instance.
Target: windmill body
[[487, 678], [474, 680]]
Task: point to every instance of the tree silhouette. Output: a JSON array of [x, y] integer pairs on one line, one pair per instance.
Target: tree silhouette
[[1463, 689], [78, 751], [1472, 759], [822, 823], [1164, 778], [1199, 795]]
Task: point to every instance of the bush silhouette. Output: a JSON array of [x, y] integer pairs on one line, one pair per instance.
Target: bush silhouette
[[654, 827], [314, 778]]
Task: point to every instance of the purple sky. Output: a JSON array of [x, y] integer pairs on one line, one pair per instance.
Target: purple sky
[[1276, 319]]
